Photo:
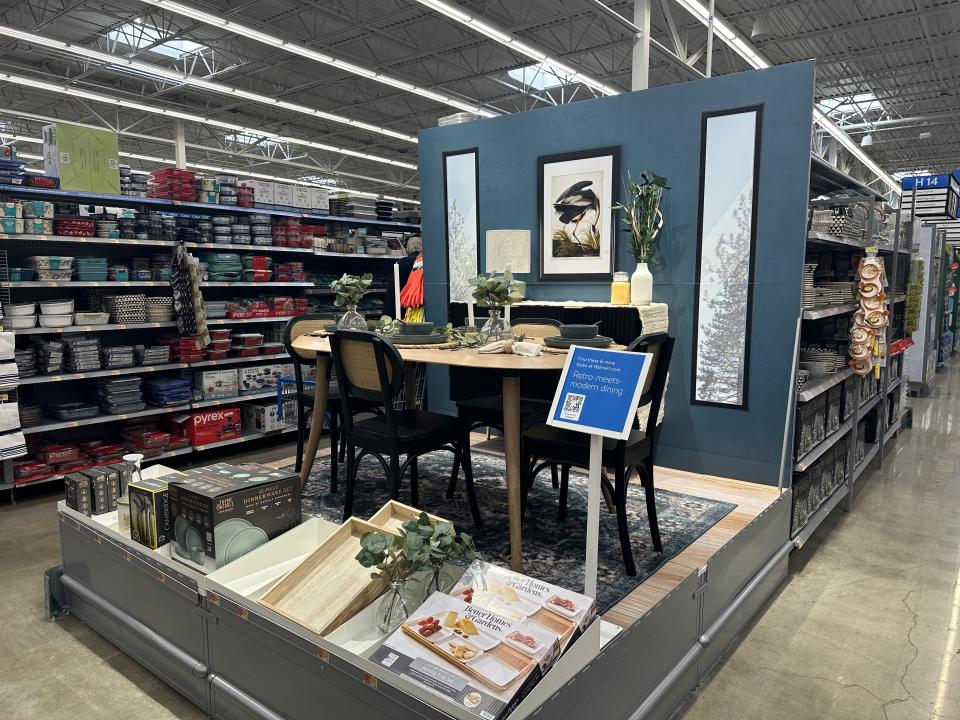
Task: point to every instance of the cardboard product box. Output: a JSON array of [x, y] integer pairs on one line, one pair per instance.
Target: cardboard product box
[[208, 426], [302, 197], [124, 473], [111, 478], [262, 418], [517, 596], [217, 383], [11, 225], [99, 493], [282, 194], [475, 658], [150, 520], [223, 511], [84, 159], [257, 378], [320, 200], [77, 492], [262, 191], [11, 209]]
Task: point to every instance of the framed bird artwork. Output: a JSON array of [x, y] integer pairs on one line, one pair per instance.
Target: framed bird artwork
[[577, 192]]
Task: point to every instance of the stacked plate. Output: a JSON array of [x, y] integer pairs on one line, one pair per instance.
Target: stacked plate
[[159, 309], [83, 354], [164, 392], [153, 354], [809, 300], [113, 358], [821, 360], [842, 292], [126, 308], [30, 415], [26, 362], [49, 356], [121, 395]]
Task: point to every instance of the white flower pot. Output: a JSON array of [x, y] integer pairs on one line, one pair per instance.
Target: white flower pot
[[641, 285]]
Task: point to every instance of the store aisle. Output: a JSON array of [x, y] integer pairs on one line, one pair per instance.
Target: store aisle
[[867, 626]]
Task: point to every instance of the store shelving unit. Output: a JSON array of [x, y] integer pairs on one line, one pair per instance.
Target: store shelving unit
[[22, 245], [874, 408]]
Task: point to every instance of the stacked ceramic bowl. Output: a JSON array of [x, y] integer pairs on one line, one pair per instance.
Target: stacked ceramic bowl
[[20, 316], [870, 319], [56, 313], [159, 309]]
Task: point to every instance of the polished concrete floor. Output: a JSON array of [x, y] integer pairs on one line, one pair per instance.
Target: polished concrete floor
[[865, 627]]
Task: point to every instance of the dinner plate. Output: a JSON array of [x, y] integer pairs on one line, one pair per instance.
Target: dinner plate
[[869, 271], [557, 341]]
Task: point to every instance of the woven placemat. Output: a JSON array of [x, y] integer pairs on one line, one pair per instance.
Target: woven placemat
[[449, 345]]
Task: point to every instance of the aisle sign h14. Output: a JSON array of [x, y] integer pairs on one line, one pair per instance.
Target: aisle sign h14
[[599, 391]]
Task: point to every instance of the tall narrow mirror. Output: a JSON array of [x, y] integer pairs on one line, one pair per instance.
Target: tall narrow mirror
[[461, 202], [726, 240]]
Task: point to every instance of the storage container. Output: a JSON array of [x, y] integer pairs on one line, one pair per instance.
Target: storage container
[[27, 308], [257, 275], [20, 322], [56, 307], [91, 318], [256, 262], [54, 274], [74, 411], [246, 350], [56, 321], [22, 274], [49, 262], [247, 339]]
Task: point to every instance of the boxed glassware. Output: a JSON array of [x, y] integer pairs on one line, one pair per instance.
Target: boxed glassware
[[107, 478], [224, 511], [150, 523], [77, 490], [517, 596], [476, 658], [208, 426], [262, 418], [216, 383]]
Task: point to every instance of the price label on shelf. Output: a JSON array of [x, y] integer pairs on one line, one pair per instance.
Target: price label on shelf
[[41, 237]]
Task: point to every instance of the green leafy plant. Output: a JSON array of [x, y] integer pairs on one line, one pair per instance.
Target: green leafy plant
[[642, 216], [467, 339], [496, 291], [350, 289], [419, 542], [386, 325]]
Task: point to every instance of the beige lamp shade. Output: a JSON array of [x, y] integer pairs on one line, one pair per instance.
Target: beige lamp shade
[[508, 250]]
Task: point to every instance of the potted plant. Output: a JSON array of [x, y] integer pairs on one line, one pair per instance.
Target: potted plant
[[496, 292], [420, 545], [350, 290], [643, 220]]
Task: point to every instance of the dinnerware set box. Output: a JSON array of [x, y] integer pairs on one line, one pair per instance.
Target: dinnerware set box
[[208, 426], [217, 383], [105, 487], [150, 518], [520, 597], [223, 511], [258, 378], [475, 658], [262, 418]]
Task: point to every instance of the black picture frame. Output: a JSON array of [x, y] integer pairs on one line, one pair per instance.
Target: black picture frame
[[544, 160], [743, 405], [475, 151]]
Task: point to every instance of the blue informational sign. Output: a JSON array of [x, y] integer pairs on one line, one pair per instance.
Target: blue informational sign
[[923, 182], [599, 391]]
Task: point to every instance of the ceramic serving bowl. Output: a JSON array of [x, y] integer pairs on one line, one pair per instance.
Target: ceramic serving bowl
[[417, 328], [578, 332]]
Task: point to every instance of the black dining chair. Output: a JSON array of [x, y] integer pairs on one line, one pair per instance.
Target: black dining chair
[[488, 411], [369, 369], [295, 327], [544, 445]]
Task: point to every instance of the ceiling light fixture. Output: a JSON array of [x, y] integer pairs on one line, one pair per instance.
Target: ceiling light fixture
[[123, 64], [97, 97], [485, 28], [866, 140], [743, 48], [304, 51], [762, 29]]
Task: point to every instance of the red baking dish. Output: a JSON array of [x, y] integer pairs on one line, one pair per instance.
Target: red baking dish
[[56, 453], [220, 344], [271, 348], [178, 441], [245, 350], [217, 354], [220, 334], [258, 262], [246, 339], [147, 438], [28, 468], [82, 463]]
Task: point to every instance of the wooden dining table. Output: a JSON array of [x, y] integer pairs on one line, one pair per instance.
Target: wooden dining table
[[508, 366]]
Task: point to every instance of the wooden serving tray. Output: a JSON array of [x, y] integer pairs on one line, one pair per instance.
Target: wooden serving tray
[[515, 659], [329, 587], [562, 626], [394, 514]]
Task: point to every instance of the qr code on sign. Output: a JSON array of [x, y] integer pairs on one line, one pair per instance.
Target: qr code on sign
[[572, 406]]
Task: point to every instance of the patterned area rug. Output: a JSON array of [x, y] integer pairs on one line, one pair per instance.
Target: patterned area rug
[[552, 552]]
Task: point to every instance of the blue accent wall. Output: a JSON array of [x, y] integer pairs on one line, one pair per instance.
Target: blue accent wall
[[659, 129]]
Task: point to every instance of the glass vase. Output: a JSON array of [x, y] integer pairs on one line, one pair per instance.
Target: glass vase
[[351, 320], [394, 607], [497, 327], [441, 578]]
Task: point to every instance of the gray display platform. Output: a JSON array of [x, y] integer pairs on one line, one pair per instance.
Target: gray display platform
[[213, 642]]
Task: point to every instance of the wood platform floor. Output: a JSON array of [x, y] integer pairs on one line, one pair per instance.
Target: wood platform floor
[[751, 499]]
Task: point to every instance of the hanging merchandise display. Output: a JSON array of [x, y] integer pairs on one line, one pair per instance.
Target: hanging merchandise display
[[914, 295], [867, 334], [187, 297]]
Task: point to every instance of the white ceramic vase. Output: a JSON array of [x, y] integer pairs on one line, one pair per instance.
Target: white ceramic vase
[[641, 285]]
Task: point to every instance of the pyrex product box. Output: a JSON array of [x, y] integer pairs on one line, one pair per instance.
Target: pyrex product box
[[517, 597], [320, 199], [216, 383], [282, 194], [262, 418], [480, 660], [223, 511], [262, 191], [302, 197], [77, 493], [258, 378], [150, 522], [208, 426]]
